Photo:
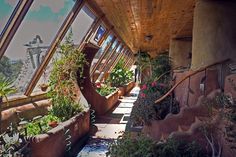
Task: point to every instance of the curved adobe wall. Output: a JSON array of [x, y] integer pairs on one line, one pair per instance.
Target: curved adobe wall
[[99, 103], [214, 33]]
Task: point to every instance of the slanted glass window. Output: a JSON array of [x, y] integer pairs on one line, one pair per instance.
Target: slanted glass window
[[98, 35], [114, 57], [101, 51], [6, 9], [99, 68], [79, 29], [82, 24], [32, 40]]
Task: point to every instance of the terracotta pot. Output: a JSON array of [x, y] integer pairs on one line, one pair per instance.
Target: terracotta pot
[[53, 124], [44, 87]]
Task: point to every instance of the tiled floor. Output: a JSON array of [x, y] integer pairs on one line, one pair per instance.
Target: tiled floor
[[109, 127]]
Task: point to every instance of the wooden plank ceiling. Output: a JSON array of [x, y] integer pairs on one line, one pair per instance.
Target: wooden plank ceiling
[[159, 19]]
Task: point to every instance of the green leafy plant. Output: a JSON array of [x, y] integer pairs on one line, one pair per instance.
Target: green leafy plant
[[6, 88], [104, 89], [142, 146], [120, 76], [126, 146], [13, 144], [64, 108], [63, 80], [161, 65], [145, 110], [174, 148], [143, 60], [33, 128]]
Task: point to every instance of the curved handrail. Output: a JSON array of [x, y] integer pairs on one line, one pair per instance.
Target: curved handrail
[[189, 75]]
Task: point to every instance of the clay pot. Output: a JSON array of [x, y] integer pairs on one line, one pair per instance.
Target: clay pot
[[53, 124], [44, 87]]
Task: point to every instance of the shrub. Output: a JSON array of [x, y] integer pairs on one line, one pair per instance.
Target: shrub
[[105, 90], [126, 146], [142, 146], [174, 148], [120, 76], [145, 110], [160, 65], [33, 128]]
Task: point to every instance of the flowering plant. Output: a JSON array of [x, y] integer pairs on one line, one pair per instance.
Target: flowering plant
[[104, 89], [153, 87]]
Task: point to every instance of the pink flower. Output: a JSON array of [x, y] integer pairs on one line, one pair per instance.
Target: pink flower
[[144, 87], [143, 95], [154, 84]]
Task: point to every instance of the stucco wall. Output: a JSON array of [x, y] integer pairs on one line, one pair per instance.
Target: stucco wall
[[214, 32], [179, 52]]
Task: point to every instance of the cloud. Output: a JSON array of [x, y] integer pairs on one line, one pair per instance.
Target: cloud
[[11, 2], [55, 6]]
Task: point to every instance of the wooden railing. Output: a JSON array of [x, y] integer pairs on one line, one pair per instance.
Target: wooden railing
[[188, 76]]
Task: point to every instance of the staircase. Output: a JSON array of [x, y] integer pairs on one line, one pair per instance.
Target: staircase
[[187, 119]]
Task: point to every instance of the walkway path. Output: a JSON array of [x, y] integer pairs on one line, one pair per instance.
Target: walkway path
[[109, 127]]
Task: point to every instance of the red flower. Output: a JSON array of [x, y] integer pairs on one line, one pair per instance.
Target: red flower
[[144, 87], [154, 84], [98, 85], [143, 95]]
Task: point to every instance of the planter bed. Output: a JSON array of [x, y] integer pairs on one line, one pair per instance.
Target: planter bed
[[103, 104], [53, 143], [126, 88], [27, 112], [129, 87]]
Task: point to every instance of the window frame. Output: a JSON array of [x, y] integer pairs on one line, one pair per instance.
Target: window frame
[[112, 53], [116, 60], [124, 50], [13, 24], [103, 55], [129, 57], [52, 48]]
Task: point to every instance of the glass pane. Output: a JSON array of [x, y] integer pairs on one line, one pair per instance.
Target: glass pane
[[107, 55], [104, 45], [33, 38], [6, 9], [79, 29], [82, 24], [98, 35], [113, 58], [101, 51]]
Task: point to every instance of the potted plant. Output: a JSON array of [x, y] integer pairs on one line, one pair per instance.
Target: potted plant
[[5, 89], [120, 77]]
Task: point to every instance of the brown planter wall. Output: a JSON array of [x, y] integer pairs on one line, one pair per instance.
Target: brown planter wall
[[129, 87], [53, 143], [99, 103], [27, 112], [126, 89]]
